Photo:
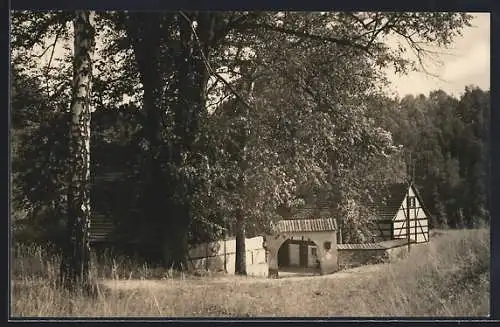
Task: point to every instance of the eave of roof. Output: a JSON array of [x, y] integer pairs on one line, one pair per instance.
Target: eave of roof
[[306, 225]]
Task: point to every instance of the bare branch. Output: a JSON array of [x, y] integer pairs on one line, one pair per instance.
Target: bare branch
[[221, 100], [224, 30], [52, 56], [418, 51], [359, 20], [209, 68], [375, 31], [391, 22], [44, 51], [343, 42]]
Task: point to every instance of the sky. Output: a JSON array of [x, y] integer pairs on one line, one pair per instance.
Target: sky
[[468, 62]]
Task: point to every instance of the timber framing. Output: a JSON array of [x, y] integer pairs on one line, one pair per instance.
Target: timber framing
[[391, 214]]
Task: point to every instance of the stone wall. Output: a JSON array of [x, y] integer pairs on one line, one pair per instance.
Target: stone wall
[[221, 255], [349, 258]]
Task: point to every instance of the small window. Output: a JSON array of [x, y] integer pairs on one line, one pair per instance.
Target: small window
[[314, 251], [412, 202], [327, 245]]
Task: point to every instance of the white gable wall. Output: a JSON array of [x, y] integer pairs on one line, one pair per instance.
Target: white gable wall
[[419, 222]]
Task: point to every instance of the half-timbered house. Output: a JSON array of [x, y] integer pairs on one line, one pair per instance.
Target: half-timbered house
[[400, 211]]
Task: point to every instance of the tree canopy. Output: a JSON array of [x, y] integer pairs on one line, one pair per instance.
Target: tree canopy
[[220, 118]]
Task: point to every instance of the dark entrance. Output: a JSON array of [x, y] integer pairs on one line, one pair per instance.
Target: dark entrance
[[283, 255], [284, 259], [303, 254]]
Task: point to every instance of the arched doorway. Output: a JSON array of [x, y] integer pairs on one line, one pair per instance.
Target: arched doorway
[[298, 257], [284, 255], [306, 245]]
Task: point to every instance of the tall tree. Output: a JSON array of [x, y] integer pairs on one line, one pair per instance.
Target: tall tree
[[177, 53], [444, 141], [474, 112], [76, 256], [334, 131]]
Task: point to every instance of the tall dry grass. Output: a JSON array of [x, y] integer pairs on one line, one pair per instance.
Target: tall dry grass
[[448, 277]]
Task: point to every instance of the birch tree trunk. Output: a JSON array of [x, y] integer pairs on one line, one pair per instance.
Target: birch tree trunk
[[75, 263]]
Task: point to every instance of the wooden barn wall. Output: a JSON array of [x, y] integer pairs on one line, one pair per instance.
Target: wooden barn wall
[[383, 230]]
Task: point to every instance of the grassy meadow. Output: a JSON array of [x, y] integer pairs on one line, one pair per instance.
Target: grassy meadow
[[448, 277]]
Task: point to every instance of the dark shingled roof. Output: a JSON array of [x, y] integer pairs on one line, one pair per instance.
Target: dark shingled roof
[[384, 202], [388, 200], [104, 229], [101, 229], [306, 225]]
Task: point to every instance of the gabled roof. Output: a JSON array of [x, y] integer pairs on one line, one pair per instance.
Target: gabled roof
[[421, 201], [305, 225], [388, 200]]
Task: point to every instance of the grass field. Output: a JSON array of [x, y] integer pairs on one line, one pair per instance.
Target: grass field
[[448, 277]]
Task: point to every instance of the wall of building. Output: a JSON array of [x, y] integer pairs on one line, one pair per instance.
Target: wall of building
[[395, 228], [328, 257], [419, 222], [312, 256]]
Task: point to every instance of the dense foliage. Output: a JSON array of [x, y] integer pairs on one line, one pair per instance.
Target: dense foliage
[[218, 119]]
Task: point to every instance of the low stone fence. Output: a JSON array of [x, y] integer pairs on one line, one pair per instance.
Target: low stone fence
[[221, 255], [354, 255]]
